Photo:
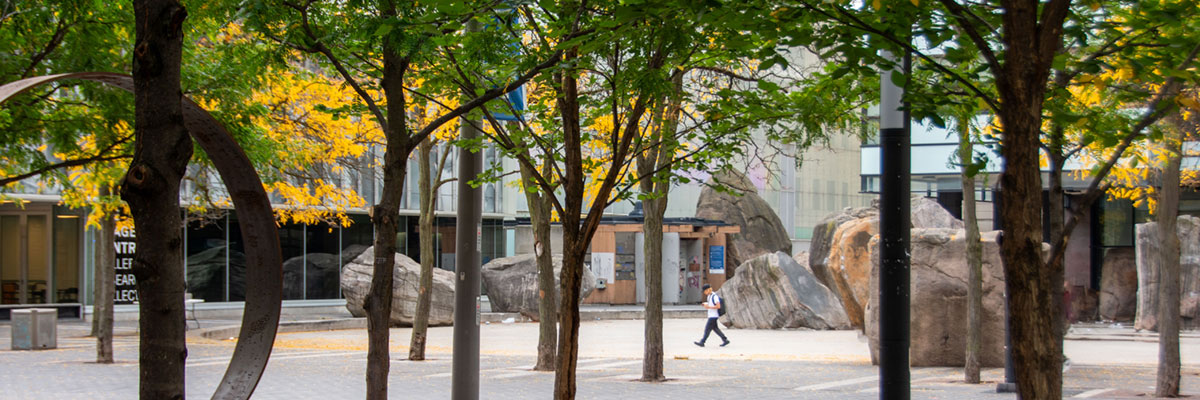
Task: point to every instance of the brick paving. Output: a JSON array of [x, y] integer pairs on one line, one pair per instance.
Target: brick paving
[[759, 364]]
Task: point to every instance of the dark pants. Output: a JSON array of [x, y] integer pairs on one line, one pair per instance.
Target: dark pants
[[712, 326]]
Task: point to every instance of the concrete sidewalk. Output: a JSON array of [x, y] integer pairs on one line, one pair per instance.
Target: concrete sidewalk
[[1109, 362]]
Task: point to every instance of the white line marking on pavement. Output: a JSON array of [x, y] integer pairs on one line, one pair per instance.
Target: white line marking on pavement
[[273, 355], [517, 374], [671, 379], [448, 374], [865, 379], [592, 360], [844, 382], [608, 365], [347, 353], [1092, 393]]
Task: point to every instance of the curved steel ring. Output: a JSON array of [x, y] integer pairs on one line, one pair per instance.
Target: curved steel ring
[[259, 233]]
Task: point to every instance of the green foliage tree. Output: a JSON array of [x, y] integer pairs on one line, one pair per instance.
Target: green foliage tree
[[1000, 55], [377, 48], [611, 100]]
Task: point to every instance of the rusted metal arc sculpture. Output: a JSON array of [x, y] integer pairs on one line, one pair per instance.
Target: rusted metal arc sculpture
[[259, 233]]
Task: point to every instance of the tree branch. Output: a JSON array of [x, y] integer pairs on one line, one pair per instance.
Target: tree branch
[[337, 64], [60, 165]]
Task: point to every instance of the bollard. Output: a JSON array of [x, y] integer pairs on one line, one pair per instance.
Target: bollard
[[34, 329]]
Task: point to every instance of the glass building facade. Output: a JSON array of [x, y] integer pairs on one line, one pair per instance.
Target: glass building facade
[[313, 254]]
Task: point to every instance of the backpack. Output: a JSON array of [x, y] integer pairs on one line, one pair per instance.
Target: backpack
[[721, 310]]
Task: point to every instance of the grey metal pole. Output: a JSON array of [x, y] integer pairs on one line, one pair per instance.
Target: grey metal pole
[[468, 243], [894, 232]]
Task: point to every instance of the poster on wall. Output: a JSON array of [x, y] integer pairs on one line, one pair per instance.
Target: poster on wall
[[126, 284], [716, 259], [603, 265]]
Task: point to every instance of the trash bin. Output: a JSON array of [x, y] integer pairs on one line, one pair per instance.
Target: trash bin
[[34, 329]]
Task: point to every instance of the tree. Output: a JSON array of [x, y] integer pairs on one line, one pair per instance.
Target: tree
[[105, 276], [1154, 177], [1018, 45], [1167, 382], [152, 190], [429, 187], [653, 170], [604, 99], [374, 48], [966, 154]]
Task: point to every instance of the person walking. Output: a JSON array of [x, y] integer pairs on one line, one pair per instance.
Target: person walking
[[713, 305]]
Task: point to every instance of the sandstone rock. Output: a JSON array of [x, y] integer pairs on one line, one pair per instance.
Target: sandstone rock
[[938, 302], [762, 231], [1147, 250], [844, 256], [512, 284], [1119, 285], [356, 282], [773, 291], [822, 242], [802, 259], [850, 264]]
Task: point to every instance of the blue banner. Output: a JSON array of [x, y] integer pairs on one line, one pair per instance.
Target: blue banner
[[716, 259]]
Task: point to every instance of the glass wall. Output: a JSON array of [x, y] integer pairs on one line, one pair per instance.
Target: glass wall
[[313, 255], [207, 252], [322, 261], [39, 259], [67, 233]]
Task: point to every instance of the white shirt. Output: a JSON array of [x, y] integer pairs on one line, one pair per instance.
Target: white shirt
[[714, 300]]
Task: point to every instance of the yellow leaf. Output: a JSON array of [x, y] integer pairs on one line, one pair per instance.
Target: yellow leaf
[[877, 4], [916, 3], [1189, 102], [1095, 5]]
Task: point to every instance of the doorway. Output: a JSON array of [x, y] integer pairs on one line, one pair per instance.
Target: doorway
[[25, 258]]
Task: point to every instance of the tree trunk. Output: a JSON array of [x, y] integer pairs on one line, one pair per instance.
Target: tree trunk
[[1032, 36], [1167, 384], [568, 315], [102, 299], [974, 257], [654, 181], [539, 218], [652, 359], [151, 187], [386, 218], [574, 244], [416, 350]]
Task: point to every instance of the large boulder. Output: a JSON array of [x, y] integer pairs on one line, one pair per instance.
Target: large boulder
[[849, 256], [512, 284], [773, 291], [822, 242], [850, 264], [762, 231], [1118, 285], [925, 212], [938, 302], [1147, 251], [356, 282]]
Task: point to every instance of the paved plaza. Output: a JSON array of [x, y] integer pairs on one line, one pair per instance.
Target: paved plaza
[[1108, 362]]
